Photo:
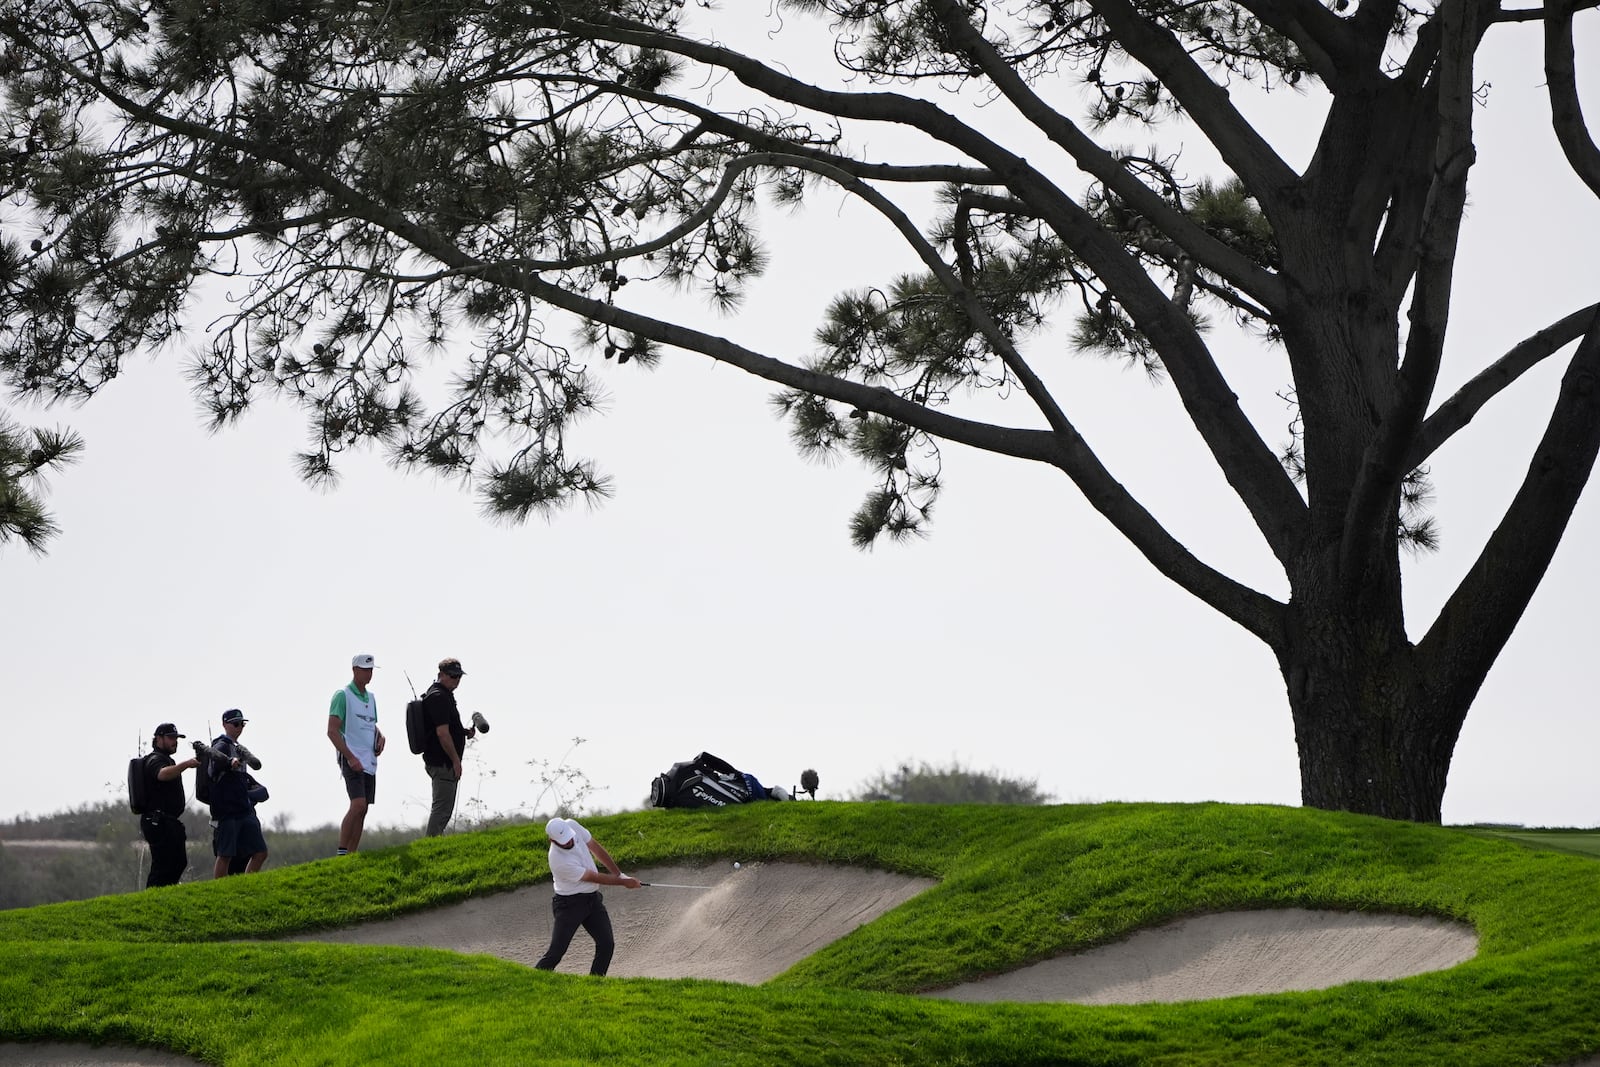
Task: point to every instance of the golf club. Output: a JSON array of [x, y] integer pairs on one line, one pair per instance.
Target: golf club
[[669, 885]]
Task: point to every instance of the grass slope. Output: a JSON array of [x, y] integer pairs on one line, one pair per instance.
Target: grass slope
[[1581, 842], [166, 967]]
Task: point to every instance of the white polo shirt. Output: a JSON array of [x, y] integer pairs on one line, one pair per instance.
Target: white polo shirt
[[568, 864]]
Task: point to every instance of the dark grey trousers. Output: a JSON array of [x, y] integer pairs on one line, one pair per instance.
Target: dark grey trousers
[[571, 911], [444, 798]]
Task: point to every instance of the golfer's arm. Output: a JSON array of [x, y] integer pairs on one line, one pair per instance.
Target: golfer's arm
[[602, 877], [598, 851]]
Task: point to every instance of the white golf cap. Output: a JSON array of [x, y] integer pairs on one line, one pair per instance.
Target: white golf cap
[[559, 830], [366, 659]]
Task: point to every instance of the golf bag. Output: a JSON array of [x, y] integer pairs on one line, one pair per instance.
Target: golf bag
[[705, 782]]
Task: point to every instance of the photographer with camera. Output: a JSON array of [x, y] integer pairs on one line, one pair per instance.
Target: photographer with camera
[[233, 810], [161, 821], [444, 741]]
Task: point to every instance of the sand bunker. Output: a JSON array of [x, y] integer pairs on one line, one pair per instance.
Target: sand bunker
[[751, 924], [757, 922], [1236, 953]]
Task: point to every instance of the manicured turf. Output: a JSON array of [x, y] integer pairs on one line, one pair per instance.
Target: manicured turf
[[1579, 842], [1016, 885]]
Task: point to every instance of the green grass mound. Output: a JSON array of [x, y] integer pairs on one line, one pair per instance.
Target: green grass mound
[[164, 968]]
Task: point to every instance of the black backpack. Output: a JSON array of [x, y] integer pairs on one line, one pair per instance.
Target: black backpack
[[136, 785], [416, 724], [202, 776]]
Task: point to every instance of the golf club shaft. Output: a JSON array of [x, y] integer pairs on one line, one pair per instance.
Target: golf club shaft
[[669, 885]]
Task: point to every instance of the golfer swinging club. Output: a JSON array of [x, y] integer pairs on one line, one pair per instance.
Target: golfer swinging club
[[573, 852]]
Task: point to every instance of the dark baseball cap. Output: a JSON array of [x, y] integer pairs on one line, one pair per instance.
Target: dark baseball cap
[[451, 666], [166, 729], [234, 715]]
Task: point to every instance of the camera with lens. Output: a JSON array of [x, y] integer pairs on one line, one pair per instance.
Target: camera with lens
[[244, 755]]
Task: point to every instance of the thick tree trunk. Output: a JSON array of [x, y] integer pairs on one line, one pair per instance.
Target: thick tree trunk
[[1372, 736]]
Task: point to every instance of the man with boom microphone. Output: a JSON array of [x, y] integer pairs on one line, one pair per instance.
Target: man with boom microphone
[[444, 741]]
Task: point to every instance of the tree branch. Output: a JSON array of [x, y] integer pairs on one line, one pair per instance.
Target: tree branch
[[1383, 462], [1031, 383], [1248, 464], [1478, 619], [1535, 14], [1209, 252], [1064, 449], [1250, 467], [1395, 188], [1455, 413], [761, 140], [1245, 151], [1322, 37], [1566, 111]]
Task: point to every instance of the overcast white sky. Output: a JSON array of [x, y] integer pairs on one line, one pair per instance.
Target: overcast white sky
[[716, 604]]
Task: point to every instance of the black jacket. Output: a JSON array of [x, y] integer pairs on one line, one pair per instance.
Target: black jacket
[[229, 787]]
